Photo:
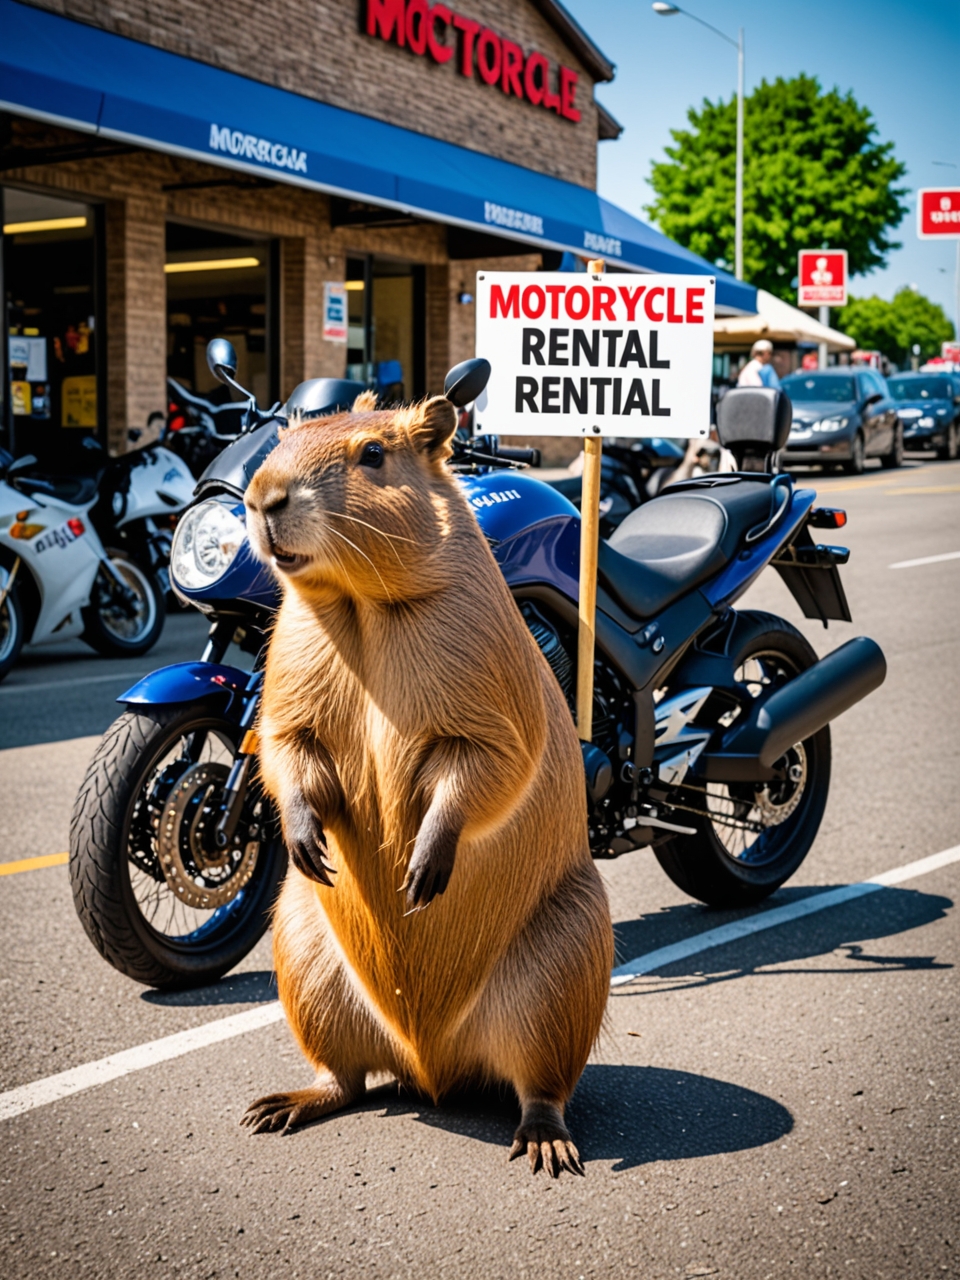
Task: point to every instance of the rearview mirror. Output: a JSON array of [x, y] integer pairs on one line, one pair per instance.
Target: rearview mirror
[[222, 359], [466, 381], [875, 398]]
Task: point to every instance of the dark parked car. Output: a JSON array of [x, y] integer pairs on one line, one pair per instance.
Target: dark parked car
[[928, 405], [841, 417]]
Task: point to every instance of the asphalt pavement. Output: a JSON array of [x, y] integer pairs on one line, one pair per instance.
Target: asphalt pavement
[[783, 1103]]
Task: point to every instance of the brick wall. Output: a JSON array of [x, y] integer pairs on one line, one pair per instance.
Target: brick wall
[[316, 48]]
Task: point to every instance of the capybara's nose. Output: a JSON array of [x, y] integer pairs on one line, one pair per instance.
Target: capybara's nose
[[274, 501]]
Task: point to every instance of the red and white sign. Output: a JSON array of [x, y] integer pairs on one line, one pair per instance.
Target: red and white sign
[[823, 278], [938, 213], [604, 355]]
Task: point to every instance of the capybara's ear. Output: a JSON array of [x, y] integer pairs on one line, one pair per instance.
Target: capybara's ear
[[432, 425], [365, 402]]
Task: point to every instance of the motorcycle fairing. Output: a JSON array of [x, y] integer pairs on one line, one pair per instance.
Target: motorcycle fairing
[[191, 682], [734, 579], [507, 502]]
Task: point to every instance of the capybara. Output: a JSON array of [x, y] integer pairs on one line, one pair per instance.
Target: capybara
[[442, 920]]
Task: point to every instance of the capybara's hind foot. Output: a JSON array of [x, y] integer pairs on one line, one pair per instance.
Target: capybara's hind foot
[[284, 1111], [546, 1140]]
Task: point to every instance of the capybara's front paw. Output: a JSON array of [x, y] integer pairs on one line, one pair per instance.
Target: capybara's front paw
[[431, 863], [546, 1140], [304, 838]]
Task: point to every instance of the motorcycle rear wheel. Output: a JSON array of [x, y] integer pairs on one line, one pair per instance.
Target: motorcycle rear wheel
[[722, 865], [125, 902]]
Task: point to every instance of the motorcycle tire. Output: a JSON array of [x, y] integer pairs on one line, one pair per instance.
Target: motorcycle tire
[[709, 866], [11, 632], [108, 629], [119, 892]]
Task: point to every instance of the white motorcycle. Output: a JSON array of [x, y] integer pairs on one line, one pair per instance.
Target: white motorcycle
[[57, 579]]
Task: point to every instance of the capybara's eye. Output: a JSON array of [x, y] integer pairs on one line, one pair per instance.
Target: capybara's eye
[[372, 455]]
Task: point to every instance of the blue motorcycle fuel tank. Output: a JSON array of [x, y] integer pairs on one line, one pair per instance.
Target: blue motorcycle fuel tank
[[534, 531]]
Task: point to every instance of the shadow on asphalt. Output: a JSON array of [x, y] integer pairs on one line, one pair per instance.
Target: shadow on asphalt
[[843, 929], [627, 1114], [238, 988]]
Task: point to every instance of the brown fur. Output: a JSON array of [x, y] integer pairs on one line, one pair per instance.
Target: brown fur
[[412, 735]]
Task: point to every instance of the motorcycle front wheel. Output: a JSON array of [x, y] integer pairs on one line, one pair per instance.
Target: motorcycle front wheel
[[156, 897], [751, 837], [124, 628], [11, 629]]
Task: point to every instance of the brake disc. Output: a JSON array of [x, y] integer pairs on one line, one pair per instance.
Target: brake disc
[[201, 874], [778, 800]]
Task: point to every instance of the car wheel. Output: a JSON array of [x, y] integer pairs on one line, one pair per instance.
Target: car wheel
[[855, 466], [895, 457], [948, 452]]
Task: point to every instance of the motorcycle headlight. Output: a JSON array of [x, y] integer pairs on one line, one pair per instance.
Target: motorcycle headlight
[[205, 544]]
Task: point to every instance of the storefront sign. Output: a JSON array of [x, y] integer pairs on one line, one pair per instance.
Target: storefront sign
[[334, 312], [582, 355], [938, 213], [822, 278], [246, 145], [444, 35]]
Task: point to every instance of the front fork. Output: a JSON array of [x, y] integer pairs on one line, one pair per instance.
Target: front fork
[[235, 789]]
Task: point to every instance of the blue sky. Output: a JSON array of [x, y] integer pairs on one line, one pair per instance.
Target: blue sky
[[901, 60]]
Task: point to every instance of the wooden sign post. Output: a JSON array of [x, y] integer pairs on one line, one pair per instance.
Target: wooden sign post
[[589, 549]]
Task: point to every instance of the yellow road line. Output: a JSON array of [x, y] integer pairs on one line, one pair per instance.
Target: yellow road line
[[926, 488], [34, 864]]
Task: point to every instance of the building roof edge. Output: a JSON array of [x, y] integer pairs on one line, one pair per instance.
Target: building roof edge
[[566, 26]]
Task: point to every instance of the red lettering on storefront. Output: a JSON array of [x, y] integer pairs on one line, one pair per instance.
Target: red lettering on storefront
[[489, 56], [656, 317], [418, 21], [422, 28], [695, 306], [440, 51], [603, 299], [533, 295], [568, 90], [470, 30], [512, 67], [509, 305], [385, 15], [582, 303]]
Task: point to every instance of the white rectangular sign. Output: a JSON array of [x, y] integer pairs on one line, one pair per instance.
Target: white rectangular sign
[[609, 355], [334, 312]]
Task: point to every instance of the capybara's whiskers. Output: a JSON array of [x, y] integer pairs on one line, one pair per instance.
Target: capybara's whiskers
[[382, 532], [361, 552]]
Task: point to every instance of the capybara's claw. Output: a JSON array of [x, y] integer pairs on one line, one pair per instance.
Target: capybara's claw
[[307, 857], [548, 1145]]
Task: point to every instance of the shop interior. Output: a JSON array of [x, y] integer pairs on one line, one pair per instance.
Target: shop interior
[[220, 286], [51, 295], [386, 325]]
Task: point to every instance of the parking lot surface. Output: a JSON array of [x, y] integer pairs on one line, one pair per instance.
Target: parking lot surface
[[784, 1103]]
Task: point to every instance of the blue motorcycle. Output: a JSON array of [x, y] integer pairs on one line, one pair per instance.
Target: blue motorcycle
[[711, 739]]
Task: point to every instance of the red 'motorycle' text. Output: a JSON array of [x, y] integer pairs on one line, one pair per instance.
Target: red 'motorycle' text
[[598, 302]]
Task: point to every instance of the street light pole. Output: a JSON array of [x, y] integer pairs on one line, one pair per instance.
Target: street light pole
[[667, 11]]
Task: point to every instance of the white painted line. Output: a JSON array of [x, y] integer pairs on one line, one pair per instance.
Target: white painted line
[[41, 1092], [69, 684], [776, 916], [912, 564], [51, 1089]]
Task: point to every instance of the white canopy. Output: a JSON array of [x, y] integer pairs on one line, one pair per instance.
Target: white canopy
[[779, 322]]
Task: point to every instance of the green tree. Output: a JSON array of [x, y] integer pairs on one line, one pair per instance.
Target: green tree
[[895, 327], [814, 176]]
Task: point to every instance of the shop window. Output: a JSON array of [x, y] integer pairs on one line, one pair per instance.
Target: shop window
[[54, 384], [386, 326], [220, 286]]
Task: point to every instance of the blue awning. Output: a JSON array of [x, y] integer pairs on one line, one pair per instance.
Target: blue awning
[[55, 69]]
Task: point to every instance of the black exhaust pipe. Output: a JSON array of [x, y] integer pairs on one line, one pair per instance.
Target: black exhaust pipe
[[796, 711]]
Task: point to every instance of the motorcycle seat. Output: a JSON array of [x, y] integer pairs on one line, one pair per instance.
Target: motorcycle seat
[[76, 490], [676, 541]]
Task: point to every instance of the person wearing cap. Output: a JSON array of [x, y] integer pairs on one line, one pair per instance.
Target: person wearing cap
[[759, 370]]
